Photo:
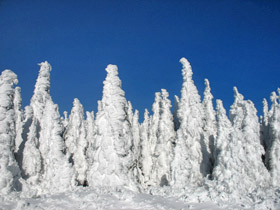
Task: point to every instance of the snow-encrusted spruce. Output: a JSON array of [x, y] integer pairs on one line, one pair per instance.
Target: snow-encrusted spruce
[[65, 119], [18, 118], [210, 127], [187, 165], [264, 127], [273, 152], [224, 172], [239, 169], [33, 117], [145, 160], [9, 170], [164, 149], [42, 91], [175, 113], [136, 145], [76, 141], [32, 164], [58, 174], [153, 137], [91, 139], [114, 161], [129, 111], [246, 121]]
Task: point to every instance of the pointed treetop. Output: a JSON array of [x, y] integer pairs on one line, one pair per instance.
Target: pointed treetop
[[273, 97], [206, 82], [187, 69], [207, 90], [164, 93], [146, 114], [220, 107], [237, 96], [76, 102], [9, 77], [112, 69], [45, 66]]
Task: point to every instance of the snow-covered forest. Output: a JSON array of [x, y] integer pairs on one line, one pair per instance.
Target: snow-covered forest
[[193, 151]]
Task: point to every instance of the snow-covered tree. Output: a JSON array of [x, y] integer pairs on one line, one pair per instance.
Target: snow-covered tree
[[76, 141], [175, 113], [265, 139], [18, 118], [129, 112], [58, 174], [187, 167], [239, 167], [114, 161], [145, 160], [42, 91], [9, 170], [32, 164], [65, 119], [33, 117], [164, 149], [225, 171], [273, 150], [91, 139], [246, 123], [210, 127]]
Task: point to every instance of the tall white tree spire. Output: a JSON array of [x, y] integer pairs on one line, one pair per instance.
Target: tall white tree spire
[[42, 90], [188, 160], [18, 117], [58, 174], [210, 126], [114, 161], [76, 142], [9, 170], [164, 149]]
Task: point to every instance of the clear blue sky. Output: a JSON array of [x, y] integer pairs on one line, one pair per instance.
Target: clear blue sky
[[232, 43]]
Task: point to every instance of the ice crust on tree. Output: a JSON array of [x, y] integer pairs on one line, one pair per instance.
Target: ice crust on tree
[[18, 118], [209, 127], [114, 161], [91, 139], [163, 153], [9, 170], [145, 160], [239, 168], [76, 141], [273, 139], [187, 167], [42, 90], [58, 174]]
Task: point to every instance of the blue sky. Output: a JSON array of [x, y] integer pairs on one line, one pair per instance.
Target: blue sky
[[232, 43]]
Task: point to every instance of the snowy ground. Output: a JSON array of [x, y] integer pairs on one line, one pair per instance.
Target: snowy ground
[[87, 198]]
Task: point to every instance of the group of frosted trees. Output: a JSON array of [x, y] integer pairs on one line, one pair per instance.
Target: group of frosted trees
[[42, 152]]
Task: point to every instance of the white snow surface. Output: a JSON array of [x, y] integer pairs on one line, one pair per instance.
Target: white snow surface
[[120, 198]]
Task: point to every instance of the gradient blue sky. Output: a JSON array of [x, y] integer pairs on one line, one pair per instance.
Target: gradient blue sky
[[232, 43]]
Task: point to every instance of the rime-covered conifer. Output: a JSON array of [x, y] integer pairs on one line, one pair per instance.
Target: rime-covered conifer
[[164, 149], [273, 152], [210, 127], [76, 141], [32, 163], [175, 113], [9, 170], [114, 161], [187, 167], [18, 118], [58, 174], [145, 160]]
